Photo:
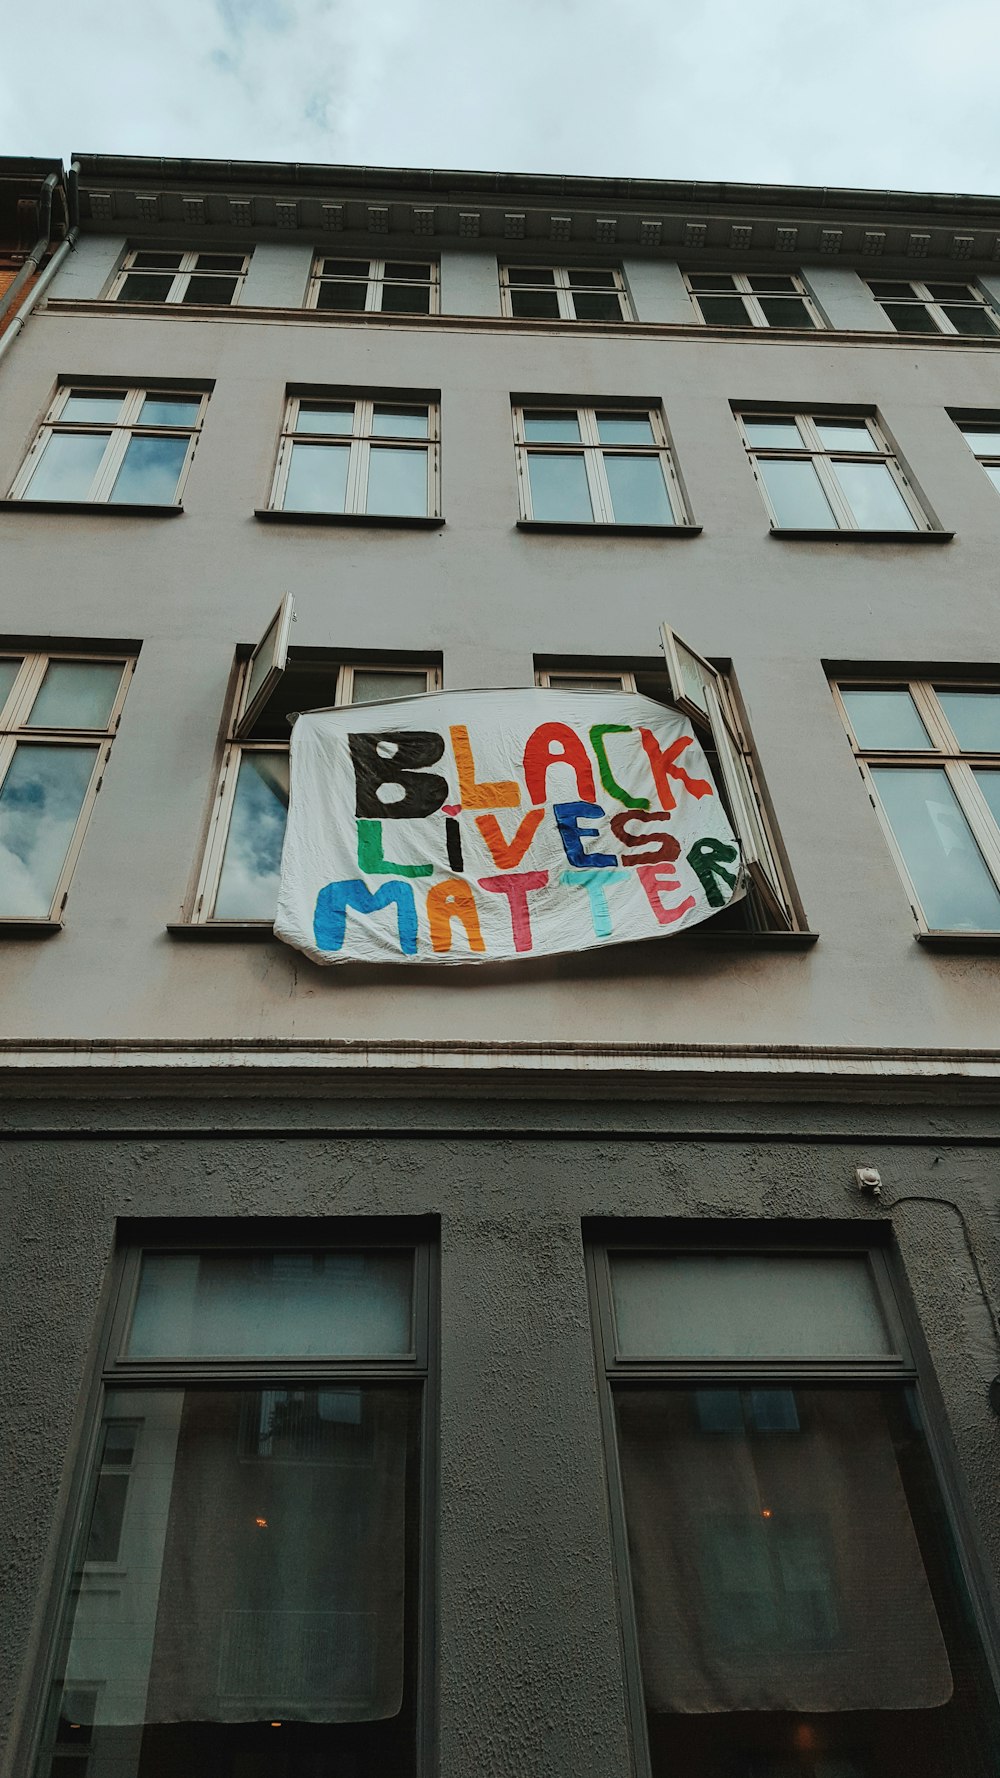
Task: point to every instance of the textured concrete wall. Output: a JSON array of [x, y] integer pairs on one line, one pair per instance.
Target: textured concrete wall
[[529, 1654]]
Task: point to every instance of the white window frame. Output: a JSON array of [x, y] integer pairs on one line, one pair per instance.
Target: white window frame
[[376, 282], [922, 299], [360, 440], [943, 751], [239, 740], [564, 288], [120, 434], [14, 730], [592, 448], [823, 457], [989, 460], [751, 298], [182, 277]]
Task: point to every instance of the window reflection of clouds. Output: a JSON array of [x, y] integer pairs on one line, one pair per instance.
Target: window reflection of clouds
[[149, 472], [40, 802], [251, 867]]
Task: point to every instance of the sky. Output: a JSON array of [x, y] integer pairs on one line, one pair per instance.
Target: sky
[[878, 93]]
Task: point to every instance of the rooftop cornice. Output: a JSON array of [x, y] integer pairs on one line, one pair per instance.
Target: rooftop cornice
[[709, 221]]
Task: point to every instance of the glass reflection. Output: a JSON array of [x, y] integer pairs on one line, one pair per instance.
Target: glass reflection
[[559, 490], [975, 718], [150, 472], [781, 435], [543, 428], [955, 888], [251, 866], [146, 287], [94, 410], [67, 466], [170, 410], [625, 429], [40, 802], [407, 422], [796, 495], [325, 419], [873, 497], [371, 685], [317, 478], [397, 482], [885, 719], [845, 435], [989, 783], [9, 670], [638, 491], [76, 694], [984, 443]]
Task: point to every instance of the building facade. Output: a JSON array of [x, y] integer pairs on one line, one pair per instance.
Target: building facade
[[576, 1366]]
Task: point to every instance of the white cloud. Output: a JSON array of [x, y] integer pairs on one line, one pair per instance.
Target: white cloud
[[898, 94]]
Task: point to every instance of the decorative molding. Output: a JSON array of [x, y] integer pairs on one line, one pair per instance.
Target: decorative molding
[[513, 225], [695, 233], [241, 212], [423, 222], [560, 228], [102, 206], [147, 204], [650, 232], [333, 217], [741, 236], [785, 239], [917, 246], [962, 245], [606, 230], [286, 213], [831, 240], [468, 225], [873, 241], [194, 211], [378, 219]]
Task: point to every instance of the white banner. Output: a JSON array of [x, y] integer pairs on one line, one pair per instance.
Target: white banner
[[475, 826]]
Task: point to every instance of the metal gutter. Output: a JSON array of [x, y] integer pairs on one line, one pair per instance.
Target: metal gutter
[[39, 288]]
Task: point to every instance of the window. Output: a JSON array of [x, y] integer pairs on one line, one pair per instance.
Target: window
[[915, 307], [249, 1564], [359, 457], [751, 299], [561, 293], [929, 753], [151, 275], [829, 473], [596, 466], [58, 717], [118, 447], [794, 1602], [242, 866], [982, 435], [389, 286], [707, 698]]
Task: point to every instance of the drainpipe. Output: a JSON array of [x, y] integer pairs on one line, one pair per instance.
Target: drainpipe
[[64, 248]]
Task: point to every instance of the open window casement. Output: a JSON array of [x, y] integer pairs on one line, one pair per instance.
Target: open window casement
[[264, 668], [700, 691]]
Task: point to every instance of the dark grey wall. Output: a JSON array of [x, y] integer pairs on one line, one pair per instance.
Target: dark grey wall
[[529, 1656]]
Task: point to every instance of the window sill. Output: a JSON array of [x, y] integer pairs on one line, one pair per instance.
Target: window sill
[[105, 508], [807, 535], [259, 932], [578, 528], [256, 931], [273, 515], [959, 941], [29, 928]]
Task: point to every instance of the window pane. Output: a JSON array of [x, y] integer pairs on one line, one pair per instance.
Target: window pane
[[346, 268], [40, 802], [406, 299], [220, 262], [989, 784], [712, 281], [724, 311], [317, 478], [796, 495], [397, 482], [543, 428], [263, 1620], [209, 290], [780, 435], [67, 466], [955, 889], [951, 292], [9, 670], [92, 409], [559, 487], [625, 429], [973, 319], [761, 1585], [638, 490], [993, 471], [373, 684], [155, 259], [596, 305], [746, 1306], [251, 865], [786, 312], [846, 435], [873, 497], [975, 718], [590, 278], [984, 443], [325, 419], [335, 293], [150, 471], [586, 682], [911, 318], [770, 281], [403, 268], [894, 289], [274, 1305], [76, 694], [145, 287], [170, 410], [529, 274], [399, 422], [534, 305], [885, 719]]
